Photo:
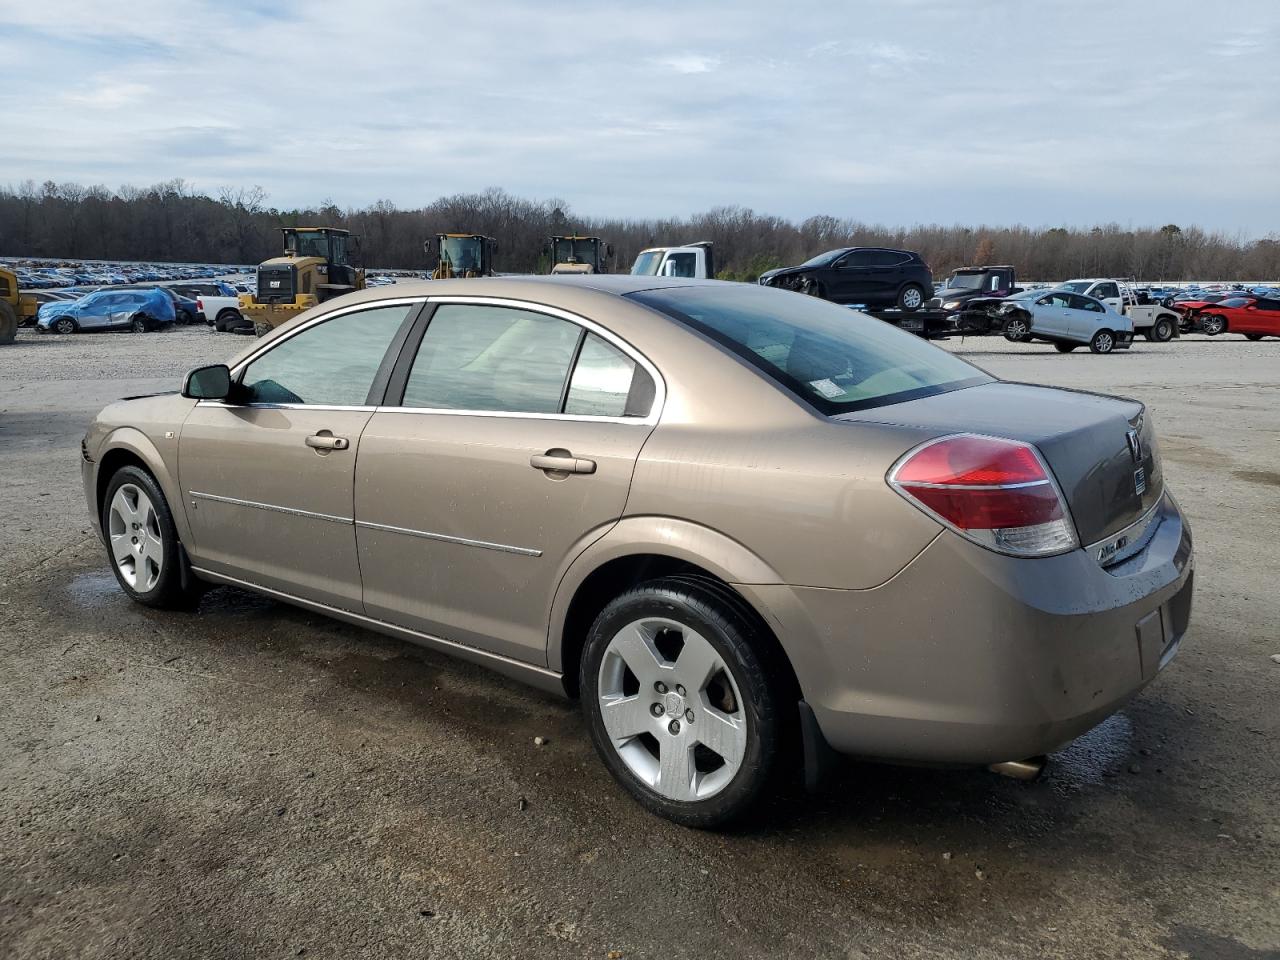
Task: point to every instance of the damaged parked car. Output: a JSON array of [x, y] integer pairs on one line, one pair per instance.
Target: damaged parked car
[[874, 277]]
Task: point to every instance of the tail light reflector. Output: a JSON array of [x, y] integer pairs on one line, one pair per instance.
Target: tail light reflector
[[996, 492], [200, 304]]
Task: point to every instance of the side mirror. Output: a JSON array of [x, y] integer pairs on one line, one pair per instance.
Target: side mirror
[[208, 383]]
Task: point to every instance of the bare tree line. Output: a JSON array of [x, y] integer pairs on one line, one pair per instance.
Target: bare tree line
[[173, 222]]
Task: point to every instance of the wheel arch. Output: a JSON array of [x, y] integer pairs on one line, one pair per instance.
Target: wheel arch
[[128, 446], [645, 548]]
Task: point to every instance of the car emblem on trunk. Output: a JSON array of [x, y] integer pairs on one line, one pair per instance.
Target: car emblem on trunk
[[1135, 445]]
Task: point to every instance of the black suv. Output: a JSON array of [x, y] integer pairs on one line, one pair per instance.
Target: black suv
[[875, 277]]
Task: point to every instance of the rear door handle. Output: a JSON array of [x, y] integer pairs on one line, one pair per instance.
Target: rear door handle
[[561, 461], [326, 441]]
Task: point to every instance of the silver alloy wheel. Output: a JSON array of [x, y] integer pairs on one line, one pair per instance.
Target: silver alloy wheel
[[133, 527], [672, 709], [65, 325], [1015, 330], [1103, 342], [912, 298]]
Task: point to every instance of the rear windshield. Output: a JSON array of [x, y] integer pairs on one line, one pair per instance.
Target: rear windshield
[[833, 358]]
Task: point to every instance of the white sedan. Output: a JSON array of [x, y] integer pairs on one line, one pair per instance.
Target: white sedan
[[1067, 320]]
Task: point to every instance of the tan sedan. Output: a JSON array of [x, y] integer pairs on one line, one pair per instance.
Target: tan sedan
[[743, 525]]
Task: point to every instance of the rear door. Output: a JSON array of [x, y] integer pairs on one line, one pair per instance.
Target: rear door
[[510, 448], [267, 477]]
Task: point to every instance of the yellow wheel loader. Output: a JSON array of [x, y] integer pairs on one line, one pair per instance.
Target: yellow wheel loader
[[16, 309], [462, 255], [317, 265], [579, 254]]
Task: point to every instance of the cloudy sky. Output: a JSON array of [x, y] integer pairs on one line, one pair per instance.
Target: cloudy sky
[[894, 111]]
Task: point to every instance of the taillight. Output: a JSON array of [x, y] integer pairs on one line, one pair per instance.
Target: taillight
[[200, 304], [996, 492]]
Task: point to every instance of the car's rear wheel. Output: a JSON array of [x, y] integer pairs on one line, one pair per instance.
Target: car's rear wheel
[[185, 316], [679, 703], [1162, 332], [142, 541], [911, 297], [1213, 324], [64, 325], [1016, 329], [227, 319], [138, 325], [1104, 341], [1065, 347]]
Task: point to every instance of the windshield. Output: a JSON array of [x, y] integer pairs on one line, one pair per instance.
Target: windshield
[[568, 250], [823, 259], [463, 253], [831, 357], [966, 281], [308, 243], [647, 263]]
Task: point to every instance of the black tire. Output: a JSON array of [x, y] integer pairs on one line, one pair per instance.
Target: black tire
[[185, 317], [138, 325], [65, 325], [1213, 324], [735, 637], [1104, 341], [1162, 331], [812, 288], [911, 297], [8, 322], [1065, 347], [168, 592], [1253, 336], [1017, 329], [228, 319]]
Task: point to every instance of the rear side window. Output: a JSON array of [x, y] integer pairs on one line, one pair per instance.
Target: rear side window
[[601, 380], [833, 358], [476, 357], [330, 364]]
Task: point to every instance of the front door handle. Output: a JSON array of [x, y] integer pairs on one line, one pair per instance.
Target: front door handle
[[327, 441], [561, 461]]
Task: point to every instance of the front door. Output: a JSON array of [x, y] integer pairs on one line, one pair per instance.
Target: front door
[[267, 477], [511, 451], [1051, 315]]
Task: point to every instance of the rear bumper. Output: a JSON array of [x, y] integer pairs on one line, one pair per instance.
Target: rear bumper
[[969, 657]]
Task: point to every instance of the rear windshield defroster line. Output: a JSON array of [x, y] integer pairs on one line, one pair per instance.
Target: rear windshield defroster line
[[831, 358]]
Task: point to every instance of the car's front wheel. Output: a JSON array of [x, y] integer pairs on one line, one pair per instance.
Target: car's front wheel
[[64, 325], [142, 541], [1104, 341], [679, 702], [1213, 324], [1016, 329]]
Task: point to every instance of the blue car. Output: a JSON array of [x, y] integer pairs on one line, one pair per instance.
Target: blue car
[[136, 310]]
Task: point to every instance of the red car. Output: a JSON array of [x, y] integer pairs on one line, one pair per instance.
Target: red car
[[1255, 317]]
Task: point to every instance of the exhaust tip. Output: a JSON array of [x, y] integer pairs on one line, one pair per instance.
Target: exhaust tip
[[1029, 769]]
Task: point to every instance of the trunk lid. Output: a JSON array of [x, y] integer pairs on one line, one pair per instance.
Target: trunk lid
[[1101, 449]]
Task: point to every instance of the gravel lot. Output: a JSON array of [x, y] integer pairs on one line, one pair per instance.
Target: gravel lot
[[253, 780]]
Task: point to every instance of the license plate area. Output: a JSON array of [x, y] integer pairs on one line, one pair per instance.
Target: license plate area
[[911, 326]]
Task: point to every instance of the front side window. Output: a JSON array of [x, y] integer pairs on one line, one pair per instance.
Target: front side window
[[330, 364], [834, 359], [1104, 290], [681, 265], [859, 258], [502, 359]]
